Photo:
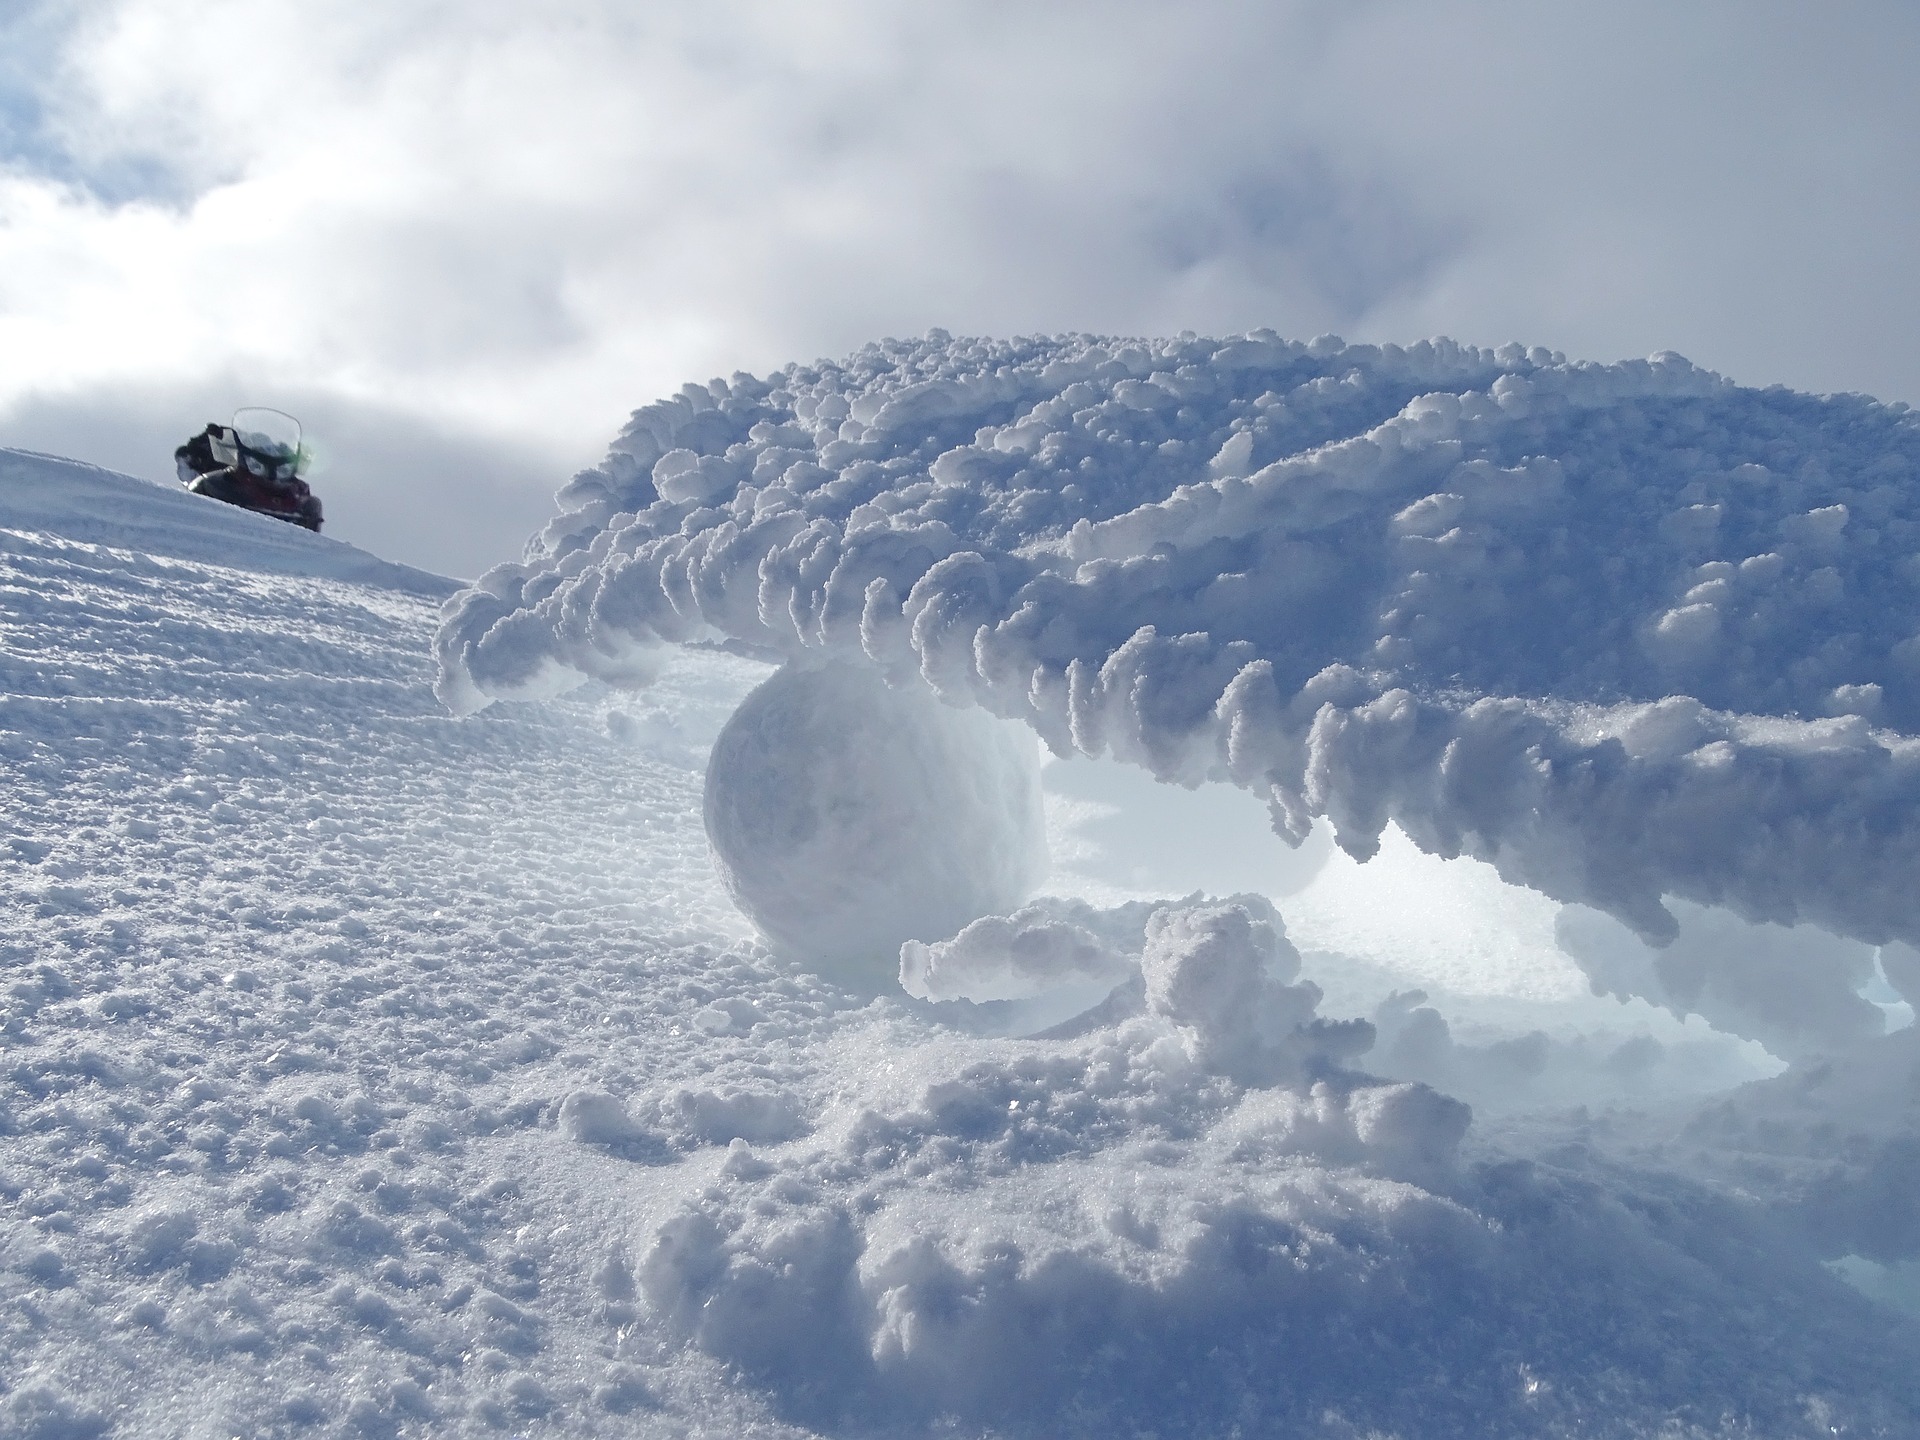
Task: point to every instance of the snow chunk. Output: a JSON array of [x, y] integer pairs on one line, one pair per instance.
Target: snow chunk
[[1212, 978], [1219, 973], [594, 1117], [1013, 957]]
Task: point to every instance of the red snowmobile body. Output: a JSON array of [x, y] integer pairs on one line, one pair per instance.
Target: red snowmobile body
[[219, 463]]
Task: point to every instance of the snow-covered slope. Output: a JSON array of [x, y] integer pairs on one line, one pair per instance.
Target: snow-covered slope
[[371, 1071], [286, 949], [87, 504]]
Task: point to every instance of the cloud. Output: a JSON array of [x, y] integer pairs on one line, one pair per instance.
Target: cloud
[[513, 225]]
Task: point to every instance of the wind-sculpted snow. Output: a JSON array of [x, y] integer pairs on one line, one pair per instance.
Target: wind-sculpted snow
[[1626, 631]]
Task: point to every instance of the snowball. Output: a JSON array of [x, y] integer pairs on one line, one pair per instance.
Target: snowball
[[848, 817]]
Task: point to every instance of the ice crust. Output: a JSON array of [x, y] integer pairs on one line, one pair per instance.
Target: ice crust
[[1625, 631]]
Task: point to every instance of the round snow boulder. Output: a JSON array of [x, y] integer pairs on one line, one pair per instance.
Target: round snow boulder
[[848, 817]]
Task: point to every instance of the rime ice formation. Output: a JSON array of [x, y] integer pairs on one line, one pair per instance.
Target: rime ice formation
[[847, 817], [1625, 631]]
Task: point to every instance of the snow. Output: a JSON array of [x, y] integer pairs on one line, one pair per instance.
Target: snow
[[377, 1071], [1037, 949], [83, 503], [1625, 631], [1796, 990], [847, 818]]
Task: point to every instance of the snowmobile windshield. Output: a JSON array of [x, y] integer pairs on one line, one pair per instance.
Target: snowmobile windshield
[[272, 434]]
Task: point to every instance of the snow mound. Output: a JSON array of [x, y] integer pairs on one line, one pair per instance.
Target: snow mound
[[1624, 631], [45, 494], [1172, 1221], [1039, 947], [847, 817]]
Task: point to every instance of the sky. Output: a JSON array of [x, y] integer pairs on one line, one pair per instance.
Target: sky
[[461, 239]]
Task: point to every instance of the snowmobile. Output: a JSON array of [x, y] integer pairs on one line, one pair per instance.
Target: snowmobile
[[253, 463]]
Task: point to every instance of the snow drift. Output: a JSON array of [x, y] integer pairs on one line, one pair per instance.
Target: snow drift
[[1194, 1217], [1625, 631]]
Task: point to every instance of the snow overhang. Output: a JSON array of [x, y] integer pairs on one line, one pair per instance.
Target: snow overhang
[[1624, 631]]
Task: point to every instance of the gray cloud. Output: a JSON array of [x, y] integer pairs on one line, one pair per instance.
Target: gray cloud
[[500, 229]]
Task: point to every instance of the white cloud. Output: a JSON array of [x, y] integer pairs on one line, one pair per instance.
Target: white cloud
[[514, 224]]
